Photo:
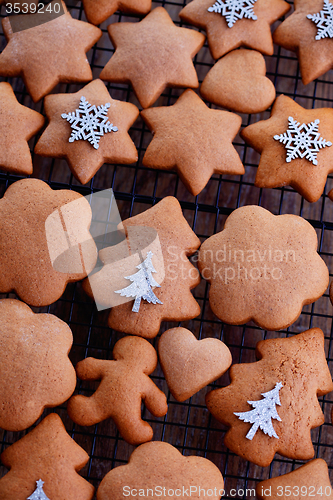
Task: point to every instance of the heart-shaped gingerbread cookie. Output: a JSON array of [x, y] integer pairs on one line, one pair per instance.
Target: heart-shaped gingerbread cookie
[[238, 82], [190, 364]]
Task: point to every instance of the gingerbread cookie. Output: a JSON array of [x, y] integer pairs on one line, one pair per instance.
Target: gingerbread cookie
[[18, 124], [181, 141], [45, 241], [271, 405], [309, 481], [153, 283], [238, 82], [158, 466], [308, 32], [189, 364], [35, 371], [86, 146], [98, 11], [236, 24], [47, 460], [152, 55], [295, 146], [49, 53], [262, 267], [124, 385]]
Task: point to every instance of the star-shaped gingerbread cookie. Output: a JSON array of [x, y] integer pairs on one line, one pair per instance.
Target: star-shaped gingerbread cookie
[[194, 139], [84, 160], [299, 33], [49, 53], [254, 33], [98, 11], [295, 146], [17, 125], [153, 54]]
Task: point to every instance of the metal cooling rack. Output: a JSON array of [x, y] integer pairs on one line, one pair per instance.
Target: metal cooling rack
[[188, 426]]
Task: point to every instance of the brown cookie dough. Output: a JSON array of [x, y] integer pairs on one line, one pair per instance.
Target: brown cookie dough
[[35, 372], [44, 241], [262, 267], [193, 139], [83, 159], [98, 11], [49, 53], [160, 465], [238, 82], [189, 364], [255, 34], [124, 386], [297, 363], [18, 124], [301, 173], [49, 455], [152, 55]]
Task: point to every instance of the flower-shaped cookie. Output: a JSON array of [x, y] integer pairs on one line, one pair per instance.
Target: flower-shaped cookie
[[98, 11], [153, 54], [263, 268], [35, 371], [299, 33], [296, 147], [247, 32]]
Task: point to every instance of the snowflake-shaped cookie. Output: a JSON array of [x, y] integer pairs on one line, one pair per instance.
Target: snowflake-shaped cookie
[[233, 10], [89, 122], [302, 140], [324, 21]]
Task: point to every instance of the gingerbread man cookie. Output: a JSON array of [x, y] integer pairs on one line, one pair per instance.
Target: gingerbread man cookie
[[98, 11], [49, 53], [160, 465], [194, 139], [45, 241], [271, 405], [81, 143], [262, 267], [236, 24], [153, 54], [35, 371], [124, 385], [47, 460], [295, 146]]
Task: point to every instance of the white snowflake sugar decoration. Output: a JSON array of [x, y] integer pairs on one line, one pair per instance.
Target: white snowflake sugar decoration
[[89, 122], [233, 10], [302, 140], [324, 21]]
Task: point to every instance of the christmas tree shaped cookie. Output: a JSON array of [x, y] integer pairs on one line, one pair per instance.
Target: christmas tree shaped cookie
[[282, 389], [49, 53], [158, 466], [234, 23], [98, 11], [124, 386], [88, 128], [153, 54], [295, 146], [140, 297], [309, 32], [180, 141], [45, 462], [52, 246], [308, 481]]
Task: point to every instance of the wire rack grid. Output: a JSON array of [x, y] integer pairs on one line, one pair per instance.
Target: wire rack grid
[[188, 425]]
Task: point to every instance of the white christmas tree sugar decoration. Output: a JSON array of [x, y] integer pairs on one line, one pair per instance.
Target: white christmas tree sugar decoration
[[324, 21], [263, 413], [38, 494], [89, 122], [233, 10], [142, 283], [302, 140]]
